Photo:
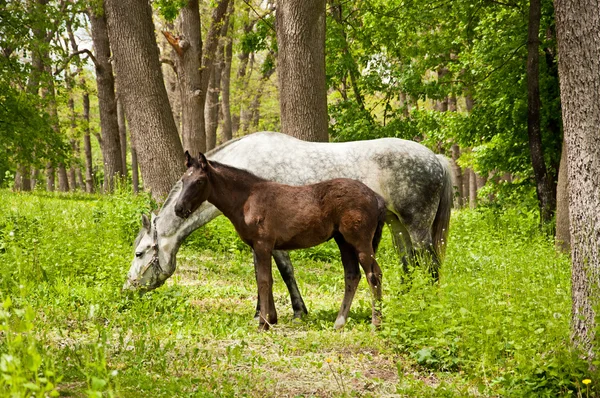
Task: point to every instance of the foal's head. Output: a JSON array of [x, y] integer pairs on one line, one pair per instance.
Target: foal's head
[[195, 185]]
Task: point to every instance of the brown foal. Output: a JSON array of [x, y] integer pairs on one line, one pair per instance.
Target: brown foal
[[271, 216]]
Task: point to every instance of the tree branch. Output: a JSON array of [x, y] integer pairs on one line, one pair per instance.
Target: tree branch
[[174, 42]]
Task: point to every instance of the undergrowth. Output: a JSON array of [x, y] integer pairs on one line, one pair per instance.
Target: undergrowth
[[497, 323]]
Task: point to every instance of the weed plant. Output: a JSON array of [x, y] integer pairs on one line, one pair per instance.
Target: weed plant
[[497, 323]]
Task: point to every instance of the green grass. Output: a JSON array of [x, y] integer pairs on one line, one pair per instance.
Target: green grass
[[497, 324]]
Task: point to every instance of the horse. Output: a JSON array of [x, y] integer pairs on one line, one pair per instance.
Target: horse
[[415, 183], [268, 215]]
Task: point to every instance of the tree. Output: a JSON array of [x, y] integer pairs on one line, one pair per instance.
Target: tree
[[107, 102], [563, 237], [543, 181], [300, 26], [139, 77], [578, 34]]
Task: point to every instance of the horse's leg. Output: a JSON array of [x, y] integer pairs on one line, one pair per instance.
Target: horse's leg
[[351, 279], [400, 238], [264, 280], [282, 259], [425, 251]]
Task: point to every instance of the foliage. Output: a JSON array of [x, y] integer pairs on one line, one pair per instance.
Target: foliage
[[496, 325], [404, 57]]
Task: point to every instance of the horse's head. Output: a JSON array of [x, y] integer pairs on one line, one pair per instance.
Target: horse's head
[[195, 185], [146, 272]]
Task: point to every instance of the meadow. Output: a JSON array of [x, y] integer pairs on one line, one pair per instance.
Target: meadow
[[497, 323]]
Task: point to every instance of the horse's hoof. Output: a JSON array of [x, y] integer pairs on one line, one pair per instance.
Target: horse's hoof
[[339, 323]]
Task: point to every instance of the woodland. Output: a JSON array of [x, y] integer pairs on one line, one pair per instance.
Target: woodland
[[100, 99]]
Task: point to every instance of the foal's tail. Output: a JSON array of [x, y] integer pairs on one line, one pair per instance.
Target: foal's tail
[[381, 214], [442, 216]]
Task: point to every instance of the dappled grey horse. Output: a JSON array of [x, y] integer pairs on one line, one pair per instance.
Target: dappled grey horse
[[415, 183]]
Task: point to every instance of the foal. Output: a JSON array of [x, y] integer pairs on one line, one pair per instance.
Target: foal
[[271, 216]]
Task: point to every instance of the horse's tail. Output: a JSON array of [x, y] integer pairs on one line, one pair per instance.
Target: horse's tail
[[442, 216], [381, 214]]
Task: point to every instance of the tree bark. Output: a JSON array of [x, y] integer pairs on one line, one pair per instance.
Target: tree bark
[[87, 144], [546, 196], [226, 129], [457, 176], [139, 75], [107, 103], [211, 107], [301, 68], [472, 189], [466, 185], [578, 34], [563, 237], [122, 134]]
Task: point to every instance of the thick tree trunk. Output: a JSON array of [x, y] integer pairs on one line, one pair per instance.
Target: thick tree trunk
[[301, 68], [546, 196], [107, 103], [563, 236], [63, 178], [135, 55], [578, 33], [87, 144], [188, 57]]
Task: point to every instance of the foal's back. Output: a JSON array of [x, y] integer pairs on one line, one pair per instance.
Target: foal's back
[[296, 217]]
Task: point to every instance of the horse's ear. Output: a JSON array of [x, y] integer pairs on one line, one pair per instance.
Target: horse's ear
[[145, 222], [188, 160], [202, 161]]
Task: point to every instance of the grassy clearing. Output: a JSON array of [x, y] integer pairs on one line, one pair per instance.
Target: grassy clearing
[[497, 324]]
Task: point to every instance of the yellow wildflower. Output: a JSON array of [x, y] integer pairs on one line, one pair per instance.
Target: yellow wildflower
[[586, 381]]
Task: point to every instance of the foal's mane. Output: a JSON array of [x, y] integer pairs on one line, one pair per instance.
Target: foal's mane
[[239, 173]]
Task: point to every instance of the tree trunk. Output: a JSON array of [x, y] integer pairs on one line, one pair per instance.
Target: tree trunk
[[107, 103], [87, 144], [226, 129], [563, 237], [135, 55], [546, 196], [472, 189], [211, 108], [457, 176], [301, 68], [188, 57], [466, 185], [79, 176], [578, 34], [135, 179], [122, 135]]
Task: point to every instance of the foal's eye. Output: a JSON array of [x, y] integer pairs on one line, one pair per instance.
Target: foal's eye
[[139, 254]]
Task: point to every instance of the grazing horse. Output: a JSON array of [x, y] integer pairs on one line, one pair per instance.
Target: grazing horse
[[415, 183], [271, 216]]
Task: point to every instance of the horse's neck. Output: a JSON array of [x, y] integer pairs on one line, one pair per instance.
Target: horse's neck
[[231, 188]]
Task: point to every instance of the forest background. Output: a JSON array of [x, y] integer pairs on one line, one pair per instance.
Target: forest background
[[475, 80]]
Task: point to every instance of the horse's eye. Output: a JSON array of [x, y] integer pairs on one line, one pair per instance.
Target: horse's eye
[[139, 254]]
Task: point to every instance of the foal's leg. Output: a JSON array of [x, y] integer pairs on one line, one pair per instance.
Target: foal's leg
[[351, 278], [284, 265], [282, 259], [366, 257], [264, 280]]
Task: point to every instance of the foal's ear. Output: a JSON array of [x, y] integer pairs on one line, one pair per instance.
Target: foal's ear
[[145, 222], [188, 160], [202, 162]]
